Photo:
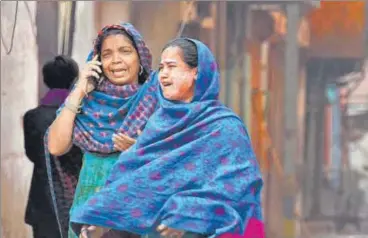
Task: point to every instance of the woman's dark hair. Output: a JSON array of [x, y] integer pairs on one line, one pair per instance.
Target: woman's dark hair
[[188, 48], [60, 72], [142, 77]]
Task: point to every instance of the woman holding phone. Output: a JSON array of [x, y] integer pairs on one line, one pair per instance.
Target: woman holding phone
[[105, 112]]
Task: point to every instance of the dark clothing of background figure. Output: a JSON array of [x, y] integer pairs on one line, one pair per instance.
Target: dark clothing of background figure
[[39, 212]]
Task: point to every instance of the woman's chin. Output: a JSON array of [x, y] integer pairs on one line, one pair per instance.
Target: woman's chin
[[169, 96], [121, 81]]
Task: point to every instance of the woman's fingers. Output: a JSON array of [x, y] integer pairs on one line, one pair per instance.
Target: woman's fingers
[[95, 61], [95, 57], [94, 67], [161, 228], [172, 233], [122, 142], [86, 230], [93, 70], [93, 74], [91, 228], [125, 138], [169, 232], [120, 147]]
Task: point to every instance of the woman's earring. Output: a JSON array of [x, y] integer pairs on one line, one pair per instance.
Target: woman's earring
[[141, 71]]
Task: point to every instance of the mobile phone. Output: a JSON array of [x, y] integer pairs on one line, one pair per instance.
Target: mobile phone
[[95, 80]]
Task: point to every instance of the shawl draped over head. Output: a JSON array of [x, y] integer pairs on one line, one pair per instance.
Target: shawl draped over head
[[107, 110], [111, 108], [192, 169]]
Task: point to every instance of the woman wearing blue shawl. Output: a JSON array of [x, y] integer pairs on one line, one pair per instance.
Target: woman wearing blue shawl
[[113, 97], [192, 169]]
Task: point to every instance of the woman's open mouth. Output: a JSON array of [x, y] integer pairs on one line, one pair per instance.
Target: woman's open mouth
[[118, 72], [166, 84]]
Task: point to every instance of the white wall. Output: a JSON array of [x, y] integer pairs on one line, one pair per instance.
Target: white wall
[[85, 31], [19, 93]]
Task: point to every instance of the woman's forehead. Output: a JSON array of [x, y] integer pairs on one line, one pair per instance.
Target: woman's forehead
[[171, 55], [168, 61], [116, 40]]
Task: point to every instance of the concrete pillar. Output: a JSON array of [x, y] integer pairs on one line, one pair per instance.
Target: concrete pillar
[[47, 36], [221, 28], [19, 92], [290, 149], [84, 36]]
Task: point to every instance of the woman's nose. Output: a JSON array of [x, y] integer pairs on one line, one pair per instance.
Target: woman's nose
[[162, 77], [116, 58], [163, 74], [165, 71]]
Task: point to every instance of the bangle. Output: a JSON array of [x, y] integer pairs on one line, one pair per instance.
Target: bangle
[[85, 92], [72, 107]]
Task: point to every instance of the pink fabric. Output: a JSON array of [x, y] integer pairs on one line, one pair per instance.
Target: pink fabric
[[255, 229]]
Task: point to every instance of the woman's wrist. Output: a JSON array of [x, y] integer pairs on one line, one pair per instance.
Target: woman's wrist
[[76, 96]]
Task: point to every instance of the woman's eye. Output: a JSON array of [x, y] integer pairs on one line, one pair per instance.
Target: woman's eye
[[126, 51]]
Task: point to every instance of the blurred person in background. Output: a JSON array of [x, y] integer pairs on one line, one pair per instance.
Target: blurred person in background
[[58, 75]]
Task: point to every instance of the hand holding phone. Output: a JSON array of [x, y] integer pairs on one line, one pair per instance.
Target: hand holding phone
[[90, 75]]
